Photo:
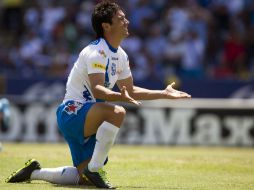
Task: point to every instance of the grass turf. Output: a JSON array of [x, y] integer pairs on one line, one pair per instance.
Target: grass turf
[[144, 167]]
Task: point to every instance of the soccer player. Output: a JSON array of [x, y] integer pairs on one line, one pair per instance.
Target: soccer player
[[4, 115], [86, 118]]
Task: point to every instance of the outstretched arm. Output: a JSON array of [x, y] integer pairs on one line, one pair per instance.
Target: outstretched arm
[[139, 93], [99, 91]]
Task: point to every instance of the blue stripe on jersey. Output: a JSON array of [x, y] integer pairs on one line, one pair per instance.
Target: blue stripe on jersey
[[95, 42], [110, 47], [106, 83]]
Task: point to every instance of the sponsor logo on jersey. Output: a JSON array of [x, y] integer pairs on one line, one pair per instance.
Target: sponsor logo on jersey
[[102, 52], [99, 66], [114, 58], [72, 107]]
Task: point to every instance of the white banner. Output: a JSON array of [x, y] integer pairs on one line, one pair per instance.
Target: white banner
[[148, 124]]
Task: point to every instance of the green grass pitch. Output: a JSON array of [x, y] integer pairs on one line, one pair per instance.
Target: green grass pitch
[[144, 167]]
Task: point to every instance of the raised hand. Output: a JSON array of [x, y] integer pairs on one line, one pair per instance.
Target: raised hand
[[126, 97], [171, 93]]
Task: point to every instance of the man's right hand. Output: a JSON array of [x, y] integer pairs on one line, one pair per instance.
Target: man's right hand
[[126, 97]]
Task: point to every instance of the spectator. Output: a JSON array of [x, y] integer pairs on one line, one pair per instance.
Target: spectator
[[234, 56], [192, 63]]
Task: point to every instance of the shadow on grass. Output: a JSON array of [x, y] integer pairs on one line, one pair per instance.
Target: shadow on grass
[[118, 187], [139, 187], [94, 188], [75, 186], [54, 185]]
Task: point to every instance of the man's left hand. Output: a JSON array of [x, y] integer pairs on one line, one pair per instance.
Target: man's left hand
[[171, 93]]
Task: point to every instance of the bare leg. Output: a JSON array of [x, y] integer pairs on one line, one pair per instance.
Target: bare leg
[[101, 112], [97, 115]]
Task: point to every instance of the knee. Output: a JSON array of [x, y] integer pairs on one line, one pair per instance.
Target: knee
[[115, 116], [120, 112]]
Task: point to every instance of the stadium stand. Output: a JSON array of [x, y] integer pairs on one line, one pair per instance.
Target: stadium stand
[[170, 39]]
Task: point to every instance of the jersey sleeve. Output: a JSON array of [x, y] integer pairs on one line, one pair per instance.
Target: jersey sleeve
[[126, 72], [96, 62]]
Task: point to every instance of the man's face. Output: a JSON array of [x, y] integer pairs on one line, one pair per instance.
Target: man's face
[[119, 26]]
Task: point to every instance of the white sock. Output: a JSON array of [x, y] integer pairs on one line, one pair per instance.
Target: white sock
[[66, 175], [105, 138]]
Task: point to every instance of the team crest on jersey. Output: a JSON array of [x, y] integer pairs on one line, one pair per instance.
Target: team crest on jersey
[[72, 107], [102, 52]]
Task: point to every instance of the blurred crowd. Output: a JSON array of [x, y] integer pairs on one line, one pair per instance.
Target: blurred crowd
[[182, 38]]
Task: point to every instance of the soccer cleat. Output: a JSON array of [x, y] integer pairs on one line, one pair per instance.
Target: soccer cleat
[[98, 178], [24, 174]]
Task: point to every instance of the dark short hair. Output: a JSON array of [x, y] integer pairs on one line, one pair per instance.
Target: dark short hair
[[103, 13]]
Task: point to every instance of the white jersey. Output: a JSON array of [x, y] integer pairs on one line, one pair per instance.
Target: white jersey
[[97, 57]]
